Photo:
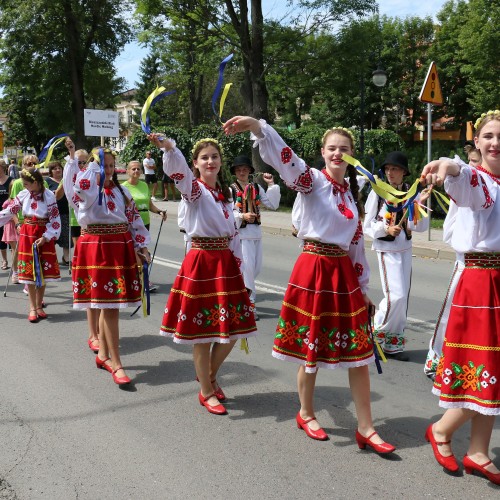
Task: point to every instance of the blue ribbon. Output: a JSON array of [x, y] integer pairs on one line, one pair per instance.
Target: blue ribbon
[[146, 127], [37, 267], [44, 151], [220, 81], [101, 180]]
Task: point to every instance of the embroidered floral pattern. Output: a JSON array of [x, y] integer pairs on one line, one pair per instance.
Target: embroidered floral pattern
[[290, 332], [304, 182], [359, 269], [84, 184], [235, 314], [56, 225], [139, 238], [195, 190], [467, 376], [177, 176], [25, 267], [359, 338], [111, 205], [83, 285], [286, 155], [474, 181], [358, 234]]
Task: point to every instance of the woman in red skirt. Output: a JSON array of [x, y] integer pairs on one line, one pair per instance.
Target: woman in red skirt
[[208, 306], [41, 227], [324, 317], [105, 272], [468, 374]]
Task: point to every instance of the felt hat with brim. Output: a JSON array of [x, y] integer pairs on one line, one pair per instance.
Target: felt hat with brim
[[242, 160], [398, 159]]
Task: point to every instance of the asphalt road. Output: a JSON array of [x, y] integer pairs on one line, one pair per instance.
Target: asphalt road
[[68, 432]]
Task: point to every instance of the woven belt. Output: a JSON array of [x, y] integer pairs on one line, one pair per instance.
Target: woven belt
[[482, 260], [326, 249], [35, 221], [105, 229], [209, 243]]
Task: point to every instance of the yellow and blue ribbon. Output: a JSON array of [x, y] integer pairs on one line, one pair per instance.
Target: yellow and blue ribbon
[[146, 300], [218, 88], [157, 95], [46, 152]]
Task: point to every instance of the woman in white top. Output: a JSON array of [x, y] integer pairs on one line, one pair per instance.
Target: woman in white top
[[468, 376], [324, 320]]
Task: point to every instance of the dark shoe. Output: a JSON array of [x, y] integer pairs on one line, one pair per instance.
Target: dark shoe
[[382, 448], [216, 410], [165, 199], [398, 356], [471, 466], [320, 434], [449, 463], [64, 262]]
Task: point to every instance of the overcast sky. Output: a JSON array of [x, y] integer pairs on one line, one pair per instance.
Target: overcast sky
[[128, 63]]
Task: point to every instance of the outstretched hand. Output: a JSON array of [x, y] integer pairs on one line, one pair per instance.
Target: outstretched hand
[[238, 124], [436, 171]]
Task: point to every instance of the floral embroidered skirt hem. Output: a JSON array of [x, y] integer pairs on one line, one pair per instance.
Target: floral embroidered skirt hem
[[324, 320], [208, 301], [105, 272], [469, 368], [47, 253]]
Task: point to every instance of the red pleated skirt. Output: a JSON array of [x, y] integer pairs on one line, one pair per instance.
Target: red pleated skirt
[[468, 374], [324, 320], [208, 301], [29, 233], [105, 272]]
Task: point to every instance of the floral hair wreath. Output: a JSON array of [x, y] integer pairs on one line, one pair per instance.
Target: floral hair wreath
[[348, 131], [94, 154], [207, 139], [492, 112], [27, 173]]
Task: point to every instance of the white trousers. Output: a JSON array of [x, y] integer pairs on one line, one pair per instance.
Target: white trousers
[[436, 343], [390, 319], [252, 264]]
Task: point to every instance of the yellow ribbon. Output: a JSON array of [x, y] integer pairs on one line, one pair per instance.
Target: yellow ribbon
[[149, 100], [223, 99], [441, 199], [50, 151], [381, 352], [244, 346]]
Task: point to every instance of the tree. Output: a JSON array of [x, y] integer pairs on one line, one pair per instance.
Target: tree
[[62, 53]]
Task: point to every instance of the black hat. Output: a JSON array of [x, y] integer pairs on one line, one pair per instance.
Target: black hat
[[398, 159], [242, 160]]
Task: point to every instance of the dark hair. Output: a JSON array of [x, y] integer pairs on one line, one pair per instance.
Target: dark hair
[[354, 187], [53, 165], [32, 174]]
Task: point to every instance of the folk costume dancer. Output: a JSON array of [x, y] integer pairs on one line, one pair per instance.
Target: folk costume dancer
[[41, 227], [324, 318], [105, 271], [248, 197], [391, 233], [467, 378], [208, 306]]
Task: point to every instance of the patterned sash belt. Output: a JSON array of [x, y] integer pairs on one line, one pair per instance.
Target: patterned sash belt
[[482, 260], [325, 249], [106, 229], [210, 243], [35, 221]]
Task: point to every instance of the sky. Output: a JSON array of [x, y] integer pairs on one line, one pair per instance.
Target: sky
[[128, 63]]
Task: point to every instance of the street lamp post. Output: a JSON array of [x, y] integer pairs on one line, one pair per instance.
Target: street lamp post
[[379, 78]]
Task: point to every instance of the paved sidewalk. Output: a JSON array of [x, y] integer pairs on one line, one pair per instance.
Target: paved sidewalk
[[281, 223]]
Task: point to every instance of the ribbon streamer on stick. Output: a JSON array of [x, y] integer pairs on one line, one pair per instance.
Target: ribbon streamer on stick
[[157, 95], [218, 88], [46, 152], [37, 268]]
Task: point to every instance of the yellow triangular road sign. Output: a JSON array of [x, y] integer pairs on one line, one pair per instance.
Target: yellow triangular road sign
[[431, 91]]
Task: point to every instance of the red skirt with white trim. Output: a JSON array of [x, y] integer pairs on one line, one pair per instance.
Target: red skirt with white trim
[[105, 272], [324, 320], [208, 301], [468, 374], [30, 232]]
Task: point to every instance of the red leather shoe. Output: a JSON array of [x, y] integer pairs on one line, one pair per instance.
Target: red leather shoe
[[382, 448], [101, 364], [32, 318], [219, 393], [91, 345], [471, 466], [41, 313], [216, 410], [449, 463], [120, 380], [320, 434]]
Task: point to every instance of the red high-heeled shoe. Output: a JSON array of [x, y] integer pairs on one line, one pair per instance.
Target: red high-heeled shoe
[[219, 393], [41, 313], [216, 410], [120, 380], [449, 463], [91, 345], [471, 466], [320, 434], [382, 448], [101, 364]]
